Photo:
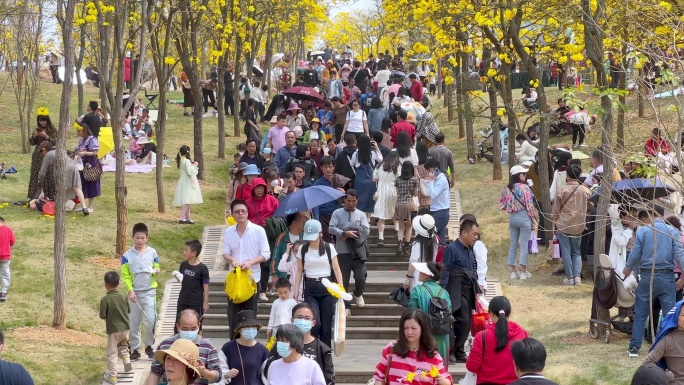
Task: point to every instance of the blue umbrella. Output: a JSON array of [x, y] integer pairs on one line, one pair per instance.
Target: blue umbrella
[[306, 199], [638, 189]]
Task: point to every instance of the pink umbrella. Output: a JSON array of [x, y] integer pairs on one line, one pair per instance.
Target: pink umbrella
[[303, 93]]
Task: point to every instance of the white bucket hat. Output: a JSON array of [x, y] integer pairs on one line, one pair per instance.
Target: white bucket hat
[[423, 224], [421, 267]]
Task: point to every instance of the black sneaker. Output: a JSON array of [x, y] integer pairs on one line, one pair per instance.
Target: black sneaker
[[150, 352], [3, 297], [135, 355]]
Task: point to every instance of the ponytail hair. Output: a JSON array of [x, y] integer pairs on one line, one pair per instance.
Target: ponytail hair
[[501, 307], [185, 152]]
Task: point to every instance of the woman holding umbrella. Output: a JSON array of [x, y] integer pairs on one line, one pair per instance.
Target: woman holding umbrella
[[295, 117]]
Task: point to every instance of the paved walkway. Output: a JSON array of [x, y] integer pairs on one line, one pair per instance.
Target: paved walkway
[[360, 356]]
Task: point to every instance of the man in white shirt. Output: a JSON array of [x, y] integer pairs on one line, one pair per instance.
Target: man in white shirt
[[245, 245]]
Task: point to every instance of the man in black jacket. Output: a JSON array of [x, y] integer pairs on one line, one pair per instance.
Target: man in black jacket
[[343, 164]]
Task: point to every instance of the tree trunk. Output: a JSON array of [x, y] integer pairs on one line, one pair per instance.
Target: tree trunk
[[620, 128], [220, 101], [79, 65], [594, 34], [438, 77], [236, 86], [65, 16], [494, 119], [641, 87], [161, 137]]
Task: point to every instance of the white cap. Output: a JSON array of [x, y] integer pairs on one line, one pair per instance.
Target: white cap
[[518, 169], [421, 267]]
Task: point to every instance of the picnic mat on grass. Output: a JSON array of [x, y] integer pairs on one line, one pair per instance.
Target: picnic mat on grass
[[134, 168]]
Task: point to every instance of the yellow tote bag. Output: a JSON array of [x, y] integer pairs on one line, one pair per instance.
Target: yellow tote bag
[[240, 285]]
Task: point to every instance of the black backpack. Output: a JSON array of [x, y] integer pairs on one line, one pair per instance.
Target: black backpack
[[439, 313]]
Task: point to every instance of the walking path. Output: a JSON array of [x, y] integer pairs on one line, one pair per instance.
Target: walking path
[[360, 356]]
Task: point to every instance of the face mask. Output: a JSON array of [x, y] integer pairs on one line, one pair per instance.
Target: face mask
[[283, 348], [188, 334], [303, 325], [248, 333], [266, 151]]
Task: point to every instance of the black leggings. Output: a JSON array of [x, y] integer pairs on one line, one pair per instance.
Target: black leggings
[[577, 129], [209, 99]]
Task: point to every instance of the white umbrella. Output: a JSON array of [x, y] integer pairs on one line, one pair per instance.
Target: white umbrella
[[74, 79], [277, 57]]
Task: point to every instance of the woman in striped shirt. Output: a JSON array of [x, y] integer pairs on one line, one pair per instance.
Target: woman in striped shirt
[[413, 358]]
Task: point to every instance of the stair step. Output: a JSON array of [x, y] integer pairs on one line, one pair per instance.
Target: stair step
[[357, 333], [370, 297], [354, 321], [388, 309], [216, 287]]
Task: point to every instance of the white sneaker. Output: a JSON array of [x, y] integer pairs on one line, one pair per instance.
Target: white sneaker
[[525, 275], [263, 297], [569, 281], [578, 281], [359, 301], [514, 275]]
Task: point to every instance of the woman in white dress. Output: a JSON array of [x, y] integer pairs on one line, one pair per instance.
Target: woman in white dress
[[385, 176], [188, 189]]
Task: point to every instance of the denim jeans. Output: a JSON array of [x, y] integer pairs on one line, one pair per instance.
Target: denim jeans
[[663, 290], [4, 276], [520, 227], [571, 253], [441, 218]]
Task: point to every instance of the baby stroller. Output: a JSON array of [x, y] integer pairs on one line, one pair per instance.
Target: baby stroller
[[486, 145], [609, 292]]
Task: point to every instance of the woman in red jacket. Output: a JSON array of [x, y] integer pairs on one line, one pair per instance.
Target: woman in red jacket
[[261, 205], [491, 359]]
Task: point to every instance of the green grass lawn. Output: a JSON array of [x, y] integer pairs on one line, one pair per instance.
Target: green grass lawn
[[557, 315]]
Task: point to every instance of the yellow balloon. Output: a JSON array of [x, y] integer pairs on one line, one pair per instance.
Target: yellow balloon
[[230, 221]]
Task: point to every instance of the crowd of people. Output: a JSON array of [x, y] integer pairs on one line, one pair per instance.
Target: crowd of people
[[388, 165]]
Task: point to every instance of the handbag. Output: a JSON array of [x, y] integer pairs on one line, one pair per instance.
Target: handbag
[[416, 203], [401, 296], [533, 246], [92, 173], [556, 248], [386, 381], [480, 318]]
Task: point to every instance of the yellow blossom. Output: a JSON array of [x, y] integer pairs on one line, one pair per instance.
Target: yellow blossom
[[491, 72], [501, 112], [169, 60], [434, 372], [667, 6], [577, 57]]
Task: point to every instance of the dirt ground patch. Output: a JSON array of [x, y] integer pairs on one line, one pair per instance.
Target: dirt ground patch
[[48, 335], [162, 216], [106, 262], [5, 128]]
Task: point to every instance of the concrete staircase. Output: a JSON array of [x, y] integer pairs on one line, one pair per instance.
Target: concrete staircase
[[369, 329], [378, 319]]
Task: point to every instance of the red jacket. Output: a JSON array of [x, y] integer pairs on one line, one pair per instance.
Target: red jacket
[[417, 91], [261, 208], [654, 147], [496, 367], [399, 127], [244, 191], [6, 242]]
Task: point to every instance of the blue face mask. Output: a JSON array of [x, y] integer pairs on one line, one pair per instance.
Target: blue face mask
[[303, 325], [283, 348], [248, 333], [266, 151], [190, 335]]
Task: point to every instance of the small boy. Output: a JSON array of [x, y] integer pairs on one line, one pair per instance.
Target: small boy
[[194, 278], [114, 310], [281, 310], [234, 167], [139, 265], [6, 242]]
